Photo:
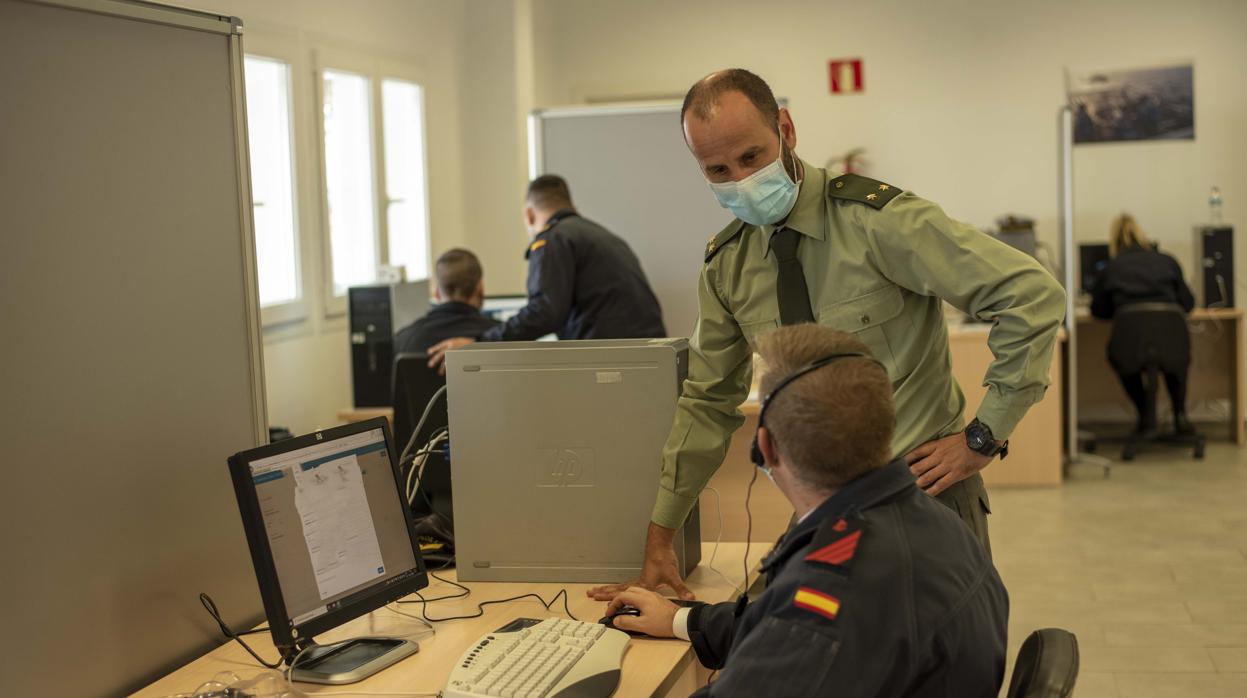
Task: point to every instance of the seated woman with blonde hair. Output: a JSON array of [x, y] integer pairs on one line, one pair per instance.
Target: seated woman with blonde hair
[[1138, 273]]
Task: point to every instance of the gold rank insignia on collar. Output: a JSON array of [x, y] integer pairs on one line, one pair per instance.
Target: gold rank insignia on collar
[[863, 190]]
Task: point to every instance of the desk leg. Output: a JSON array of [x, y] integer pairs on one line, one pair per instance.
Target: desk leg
[[1236, 402]]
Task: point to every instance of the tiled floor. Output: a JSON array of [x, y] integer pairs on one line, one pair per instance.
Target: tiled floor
[[1147, 567]]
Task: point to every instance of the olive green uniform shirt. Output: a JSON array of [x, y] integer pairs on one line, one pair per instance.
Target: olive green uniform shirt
[[877, 262]]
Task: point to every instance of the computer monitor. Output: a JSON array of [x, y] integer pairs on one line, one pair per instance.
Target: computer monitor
[[1091, 262], [414, 385], [503, 308], [556, 453], [331, 540]]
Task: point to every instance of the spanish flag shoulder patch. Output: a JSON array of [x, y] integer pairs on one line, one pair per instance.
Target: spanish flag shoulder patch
[[537, 245], [818, 602]]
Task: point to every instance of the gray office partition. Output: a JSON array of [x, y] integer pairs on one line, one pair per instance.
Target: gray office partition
[[629, 169], [129, 341]]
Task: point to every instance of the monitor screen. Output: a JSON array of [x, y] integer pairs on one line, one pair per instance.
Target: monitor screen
[[335, 531], [1091, 262]]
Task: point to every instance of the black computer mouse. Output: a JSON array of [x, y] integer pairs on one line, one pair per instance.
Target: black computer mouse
[[609, 620]]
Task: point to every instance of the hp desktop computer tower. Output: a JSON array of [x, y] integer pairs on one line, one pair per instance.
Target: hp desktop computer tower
[[555, 457], [376, 313], [1214, 266]]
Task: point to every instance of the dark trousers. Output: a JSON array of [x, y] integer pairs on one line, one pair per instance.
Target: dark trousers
[[1137, 390]]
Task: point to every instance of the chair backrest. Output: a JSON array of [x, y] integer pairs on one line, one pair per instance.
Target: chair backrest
[[1146, 333], [1047, 665], [414, 385]]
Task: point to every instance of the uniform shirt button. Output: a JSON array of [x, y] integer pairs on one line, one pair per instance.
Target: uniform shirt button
[[865, 319]]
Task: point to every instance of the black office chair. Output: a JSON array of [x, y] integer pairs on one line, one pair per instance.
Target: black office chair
[[414, 385], [1047, 665], [1151, 338]]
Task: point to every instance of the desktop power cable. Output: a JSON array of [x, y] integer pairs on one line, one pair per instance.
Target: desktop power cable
[[210, 607], [424, 417], [480, 607]]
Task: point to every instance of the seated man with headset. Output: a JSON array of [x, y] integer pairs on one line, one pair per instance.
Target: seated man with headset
[[879, 589]]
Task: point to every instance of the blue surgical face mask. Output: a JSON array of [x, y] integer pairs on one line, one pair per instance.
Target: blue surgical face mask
[[762, 198]]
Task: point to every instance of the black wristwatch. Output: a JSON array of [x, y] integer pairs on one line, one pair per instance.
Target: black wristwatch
[[980, 440]]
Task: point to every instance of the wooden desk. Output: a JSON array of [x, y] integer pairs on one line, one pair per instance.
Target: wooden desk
[[359, 414], [1214, 388], [650, 668]]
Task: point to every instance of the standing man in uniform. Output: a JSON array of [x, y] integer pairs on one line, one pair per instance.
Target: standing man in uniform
[[877, 590], [584, 282], [858, 255]]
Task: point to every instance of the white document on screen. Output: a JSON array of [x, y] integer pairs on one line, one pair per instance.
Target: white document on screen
[[337, 525]]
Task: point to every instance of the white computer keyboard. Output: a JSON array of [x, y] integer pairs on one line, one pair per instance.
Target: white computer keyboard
[[554, 657]]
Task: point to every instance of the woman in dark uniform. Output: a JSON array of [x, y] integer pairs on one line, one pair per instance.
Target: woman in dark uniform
[[1138, 273]]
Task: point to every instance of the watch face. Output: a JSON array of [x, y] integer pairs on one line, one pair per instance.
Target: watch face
[[975, 437]]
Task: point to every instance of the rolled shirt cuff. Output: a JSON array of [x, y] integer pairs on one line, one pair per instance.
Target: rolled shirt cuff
[[671, 508]]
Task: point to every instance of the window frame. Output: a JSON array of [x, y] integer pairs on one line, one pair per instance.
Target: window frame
[[297, 309], [376, 69]]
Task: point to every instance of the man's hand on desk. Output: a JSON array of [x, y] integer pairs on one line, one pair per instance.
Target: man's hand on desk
[[657, 612], [437, 352], [944, 462], [661, 568]]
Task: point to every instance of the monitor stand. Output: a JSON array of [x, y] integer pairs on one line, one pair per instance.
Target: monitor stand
[[350, 660]]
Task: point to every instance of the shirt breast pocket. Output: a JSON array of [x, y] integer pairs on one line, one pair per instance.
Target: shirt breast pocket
[[878, 319]]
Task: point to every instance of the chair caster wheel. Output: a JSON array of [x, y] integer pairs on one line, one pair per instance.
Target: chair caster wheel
[[1199, 451], [1127, 454]]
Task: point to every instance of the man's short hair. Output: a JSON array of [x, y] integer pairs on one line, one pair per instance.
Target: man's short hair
[[834, 424], [703, 96], [549, 193], [458, 274]]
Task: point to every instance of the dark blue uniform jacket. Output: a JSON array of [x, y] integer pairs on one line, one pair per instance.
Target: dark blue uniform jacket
[[584, 282], [880, 591]]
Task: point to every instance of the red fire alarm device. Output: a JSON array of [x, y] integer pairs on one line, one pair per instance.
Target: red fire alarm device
[[846, 75]]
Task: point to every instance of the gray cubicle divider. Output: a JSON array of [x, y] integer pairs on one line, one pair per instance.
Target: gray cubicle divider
[[129, 342], [629, 169]]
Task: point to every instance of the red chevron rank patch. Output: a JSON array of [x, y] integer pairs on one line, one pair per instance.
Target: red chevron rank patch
[[837, 553]]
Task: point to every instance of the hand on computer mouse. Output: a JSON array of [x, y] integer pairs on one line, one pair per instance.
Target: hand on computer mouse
[[656, 612]]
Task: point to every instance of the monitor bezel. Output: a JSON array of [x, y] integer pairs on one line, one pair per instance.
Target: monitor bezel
[[286, 634]]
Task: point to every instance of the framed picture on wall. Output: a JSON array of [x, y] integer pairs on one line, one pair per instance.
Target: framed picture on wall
[[1132, 105]]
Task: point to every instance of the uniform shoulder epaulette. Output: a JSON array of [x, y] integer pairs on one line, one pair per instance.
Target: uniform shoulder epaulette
[[723, 237], [863, 190]]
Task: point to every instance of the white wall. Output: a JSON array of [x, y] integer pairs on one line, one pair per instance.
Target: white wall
[[307, 371], [961, 97]]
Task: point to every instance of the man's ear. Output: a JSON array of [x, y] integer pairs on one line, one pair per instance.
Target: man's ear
[[787, 128], [530, 216], [770, 450], [437, 295]]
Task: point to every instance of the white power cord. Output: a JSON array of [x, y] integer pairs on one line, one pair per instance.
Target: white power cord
[[718, 507]]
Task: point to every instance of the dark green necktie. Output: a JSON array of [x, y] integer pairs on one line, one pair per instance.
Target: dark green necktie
[[794, 297]]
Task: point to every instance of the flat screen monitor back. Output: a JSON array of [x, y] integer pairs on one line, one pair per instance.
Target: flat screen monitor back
[[414, 385], [556, 452]]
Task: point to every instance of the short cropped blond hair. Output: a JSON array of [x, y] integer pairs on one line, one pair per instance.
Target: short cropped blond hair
[[833, 424]]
